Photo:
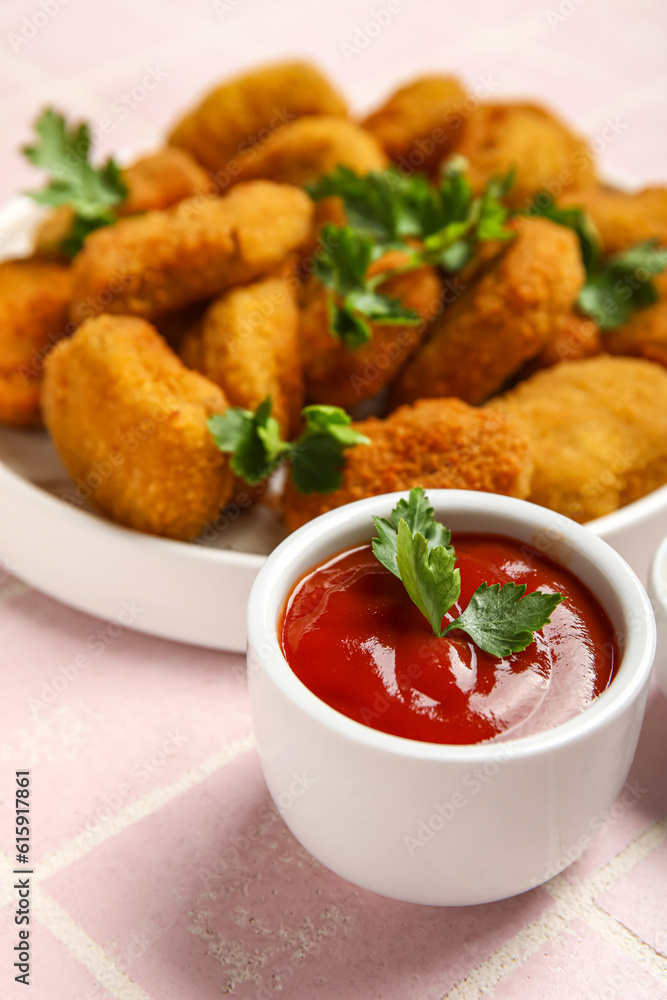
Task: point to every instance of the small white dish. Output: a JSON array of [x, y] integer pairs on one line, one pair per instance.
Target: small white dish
[[432, 823], [657, 590]]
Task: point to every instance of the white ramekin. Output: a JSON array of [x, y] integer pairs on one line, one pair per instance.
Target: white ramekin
[[657, 589], [443, 824]]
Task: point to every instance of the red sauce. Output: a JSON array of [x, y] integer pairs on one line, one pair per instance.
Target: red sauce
[[352, 635]]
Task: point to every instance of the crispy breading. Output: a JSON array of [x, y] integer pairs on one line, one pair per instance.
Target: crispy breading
[[418, 125], [251, 350], [129, 423], [34, 303], [342, 377], [543, 151], [598, 432], [191, 348], [311, 146], [500, 321], [645, 333], [234, 120], [623, 219], [571, 338], [156, 181], [158, 262], [437, 444]]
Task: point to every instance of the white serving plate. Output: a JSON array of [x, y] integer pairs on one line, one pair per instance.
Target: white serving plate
[[195, 593]]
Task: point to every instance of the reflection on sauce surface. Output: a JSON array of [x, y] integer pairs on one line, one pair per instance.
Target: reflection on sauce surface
[[352, 635]]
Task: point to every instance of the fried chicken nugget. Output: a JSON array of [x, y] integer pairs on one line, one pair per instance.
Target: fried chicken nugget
[[342, 377], [250, 349], [571, 338], [129, 423], [437, 444], [34, 302], [156, 181], [161, 261], [645, 334], [500, 321], [624, 219], [414, 126], [226, 130], [497, 137], [598, 433], [312, 146]]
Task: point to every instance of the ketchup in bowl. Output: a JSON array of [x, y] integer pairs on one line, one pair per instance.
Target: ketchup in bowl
[[351, 635]]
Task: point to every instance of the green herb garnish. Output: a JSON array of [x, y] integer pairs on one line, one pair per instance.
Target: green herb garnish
[[257, 448], [572, 217], [385, 210], [622, 284], [416, 548], [91, 192]]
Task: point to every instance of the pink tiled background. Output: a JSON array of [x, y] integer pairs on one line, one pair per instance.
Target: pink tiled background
[[145, 781]]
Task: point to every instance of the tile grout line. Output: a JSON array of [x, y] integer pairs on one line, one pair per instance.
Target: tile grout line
[[77, 847], [84, 949], [570, 901]]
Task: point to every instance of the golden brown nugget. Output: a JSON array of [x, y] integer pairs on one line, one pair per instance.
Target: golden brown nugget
[[341, 377], [500, 321], [156, 181], [235, 119], [129, 423], [624, 219], [250, 349], [191, 348], [572, 337], [34, 302], [162, 261], [437, 444], [645, 334], [312, 146], [526, 137], [414, 126], [598, 433]]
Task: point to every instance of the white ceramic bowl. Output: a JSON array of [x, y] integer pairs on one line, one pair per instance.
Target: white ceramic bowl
[[657, 589], [443, 824]]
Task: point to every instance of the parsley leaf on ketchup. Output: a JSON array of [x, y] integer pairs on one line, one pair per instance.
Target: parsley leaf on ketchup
[[416, 548], [91, 192], [257, 448]]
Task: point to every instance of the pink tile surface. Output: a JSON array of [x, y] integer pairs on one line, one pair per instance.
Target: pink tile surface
[[187, 882]]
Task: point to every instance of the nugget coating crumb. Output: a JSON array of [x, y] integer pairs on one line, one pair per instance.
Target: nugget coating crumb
[[598, 433], [417, 126], [234, 120], [341, 377], [312, 146], [129, 423], [161, 261], [572, 337], [624, 219], [34, 302], [497, 137], [645, 334], [437, 444], [250, 349], [504, 318]]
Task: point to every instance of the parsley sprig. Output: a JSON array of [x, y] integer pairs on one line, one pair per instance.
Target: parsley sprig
[[417, 549], [91, 192], [316, 458], [389, 210]]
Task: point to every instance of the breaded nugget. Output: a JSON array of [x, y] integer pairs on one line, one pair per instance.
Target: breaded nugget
[[235, 119], [500, 321], [156, 181], [571, 338], [598, 433], [415, 125], [437, 444], [624, 219], [645, 334], [34, 302], [129, 422], [342, 377], [542, 150], [191, 348], [161, 261], [250, 348], [312, 146]]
